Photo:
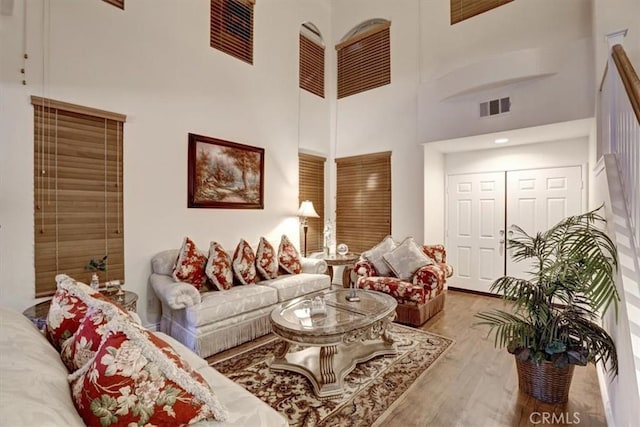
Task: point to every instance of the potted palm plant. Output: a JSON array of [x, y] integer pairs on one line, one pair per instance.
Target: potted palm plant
[[553, 325]]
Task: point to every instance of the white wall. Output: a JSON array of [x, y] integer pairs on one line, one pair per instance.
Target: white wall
[[153, 63], [384, 119], [610, 16], [434, 201], [543, 155], [539, 53]]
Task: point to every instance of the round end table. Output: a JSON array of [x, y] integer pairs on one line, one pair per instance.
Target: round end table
[[347, 260]]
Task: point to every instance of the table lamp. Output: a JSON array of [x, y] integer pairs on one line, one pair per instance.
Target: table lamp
[[306, 211]]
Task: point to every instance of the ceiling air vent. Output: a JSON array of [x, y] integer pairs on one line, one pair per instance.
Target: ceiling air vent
[[495, 107]]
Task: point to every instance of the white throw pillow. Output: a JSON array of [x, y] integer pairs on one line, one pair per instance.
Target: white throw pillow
[[406, 259], [375, 255]]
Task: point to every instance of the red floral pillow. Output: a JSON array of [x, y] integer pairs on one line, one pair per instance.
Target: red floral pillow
[[137, 378], [190, 265], [266, 260], [288, 257], [67, 309], [81, 347], [218, 268], [244, 263]]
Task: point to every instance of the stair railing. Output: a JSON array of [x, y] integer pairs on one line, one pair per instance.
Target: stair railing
[[620, 129]]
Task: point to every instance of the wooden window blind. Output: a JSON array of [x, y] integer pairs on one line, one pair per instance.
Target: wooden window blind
[[311, 187], [78, 188], [364, 60], [116, 3], [231, 28], [363, 201], [465, 9], [311, 66]]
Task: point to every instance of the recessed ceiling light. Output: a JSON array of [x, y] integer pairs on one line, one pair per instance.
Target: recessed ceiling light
[[501, 140]]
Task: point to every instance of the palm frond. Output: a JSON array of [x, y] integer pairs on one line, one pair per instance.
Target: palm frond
[[594, 338], [507, 327]]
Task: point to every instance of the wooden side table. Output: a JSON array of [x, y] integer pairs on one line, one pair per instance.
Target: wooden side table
[[38, 313], [348, 261]]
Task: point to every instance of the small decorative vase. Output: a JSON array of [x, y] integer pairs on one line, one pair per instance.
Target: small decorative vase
[[342, 249], [95, 281]]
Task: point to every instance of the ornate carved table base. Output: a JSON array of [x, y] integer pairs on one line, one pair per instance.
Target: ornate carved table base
[[327, 366]]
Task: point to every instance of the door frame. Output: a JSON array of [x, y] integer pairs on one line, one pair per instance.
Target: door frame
[[584, 200]]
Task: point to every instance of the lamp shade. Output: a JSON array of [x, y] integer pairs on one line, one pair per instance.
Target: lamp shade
[[307, 210]]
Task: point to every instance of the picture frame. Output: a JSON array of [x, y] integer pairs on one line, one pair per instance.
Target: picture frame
[[116, 3], [224, 174]]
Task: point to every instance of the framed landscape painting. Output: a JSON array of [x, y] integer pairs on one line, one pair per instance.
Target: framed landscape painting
[[224, 174]]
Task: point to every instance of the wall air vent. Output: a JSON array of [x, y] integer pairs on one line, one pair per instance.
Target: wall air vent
[[495, 107]]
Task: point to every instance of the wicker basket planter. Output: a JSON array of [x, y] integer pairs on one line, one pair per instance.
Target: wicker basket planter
[[544, 382]]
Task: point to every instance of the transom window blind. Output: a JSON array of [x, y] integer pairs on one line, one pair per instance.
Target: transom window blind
[[231, 28], [364, 59], [465, 9], [311, 187], [311, 59], [311, 66], [78, 189], [363, 201]]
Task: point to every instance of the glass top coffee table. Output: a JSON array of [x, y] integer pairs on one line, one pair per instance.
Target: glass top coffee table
[[347, 334]]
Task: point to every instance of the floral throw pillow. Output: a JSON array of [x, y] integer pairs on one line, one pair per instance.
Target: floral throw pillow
[[81, 347], [190, 265], [406, 259], [375, 256], [218, 268], [288, 257], [266, 260], [136, 378], [67, 309], [244, 263]]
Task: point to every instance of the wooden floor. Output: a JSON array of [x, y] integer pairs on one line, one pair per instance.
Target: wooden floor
[[476, 385]]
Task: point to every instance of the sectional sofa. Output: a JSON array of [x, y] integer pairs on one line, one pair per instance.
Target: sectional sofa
[[36, 388], [213, 321]]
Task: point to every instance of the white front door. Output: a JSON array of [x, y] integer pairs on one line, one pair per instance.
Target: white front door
[[479, 206], [475, 219], [537, 199]]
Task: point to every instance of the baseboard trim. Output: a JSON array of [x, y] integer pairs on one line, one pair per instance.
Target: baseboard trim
[[488, 294], [469, 291], [604, 392]]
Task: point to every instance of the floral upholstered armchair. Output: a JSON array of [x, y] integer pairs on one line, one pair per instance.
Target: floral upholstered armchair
[[414, 275]]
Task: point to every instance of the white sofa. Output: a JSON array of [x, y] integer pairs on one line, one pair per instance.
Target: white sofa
[[214, 321], [34, 390]]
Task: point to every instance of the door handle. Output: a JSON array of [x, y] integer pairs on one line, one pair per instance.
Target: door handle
[[502, 241]]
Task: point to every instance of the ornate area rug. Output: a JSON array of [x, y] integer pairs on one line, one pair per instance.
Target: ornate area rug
[[371, 388]]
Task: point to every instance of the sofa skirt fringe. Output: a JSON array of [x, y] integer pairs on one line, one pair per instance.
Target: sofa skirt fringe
[[234, 335], [416, 315]]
